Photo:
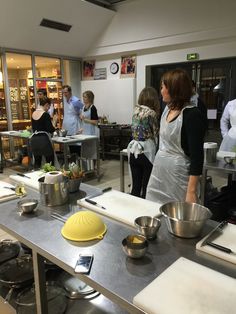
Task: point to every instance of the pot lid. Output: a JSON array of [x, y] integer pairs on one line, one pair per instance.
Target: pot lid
[[57, 301], [84, 226], [17, 271], [8, 250], [74, 287]]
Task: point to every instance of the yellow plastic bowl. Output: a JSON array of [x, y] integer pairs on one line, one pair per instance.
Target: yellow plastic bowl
[[84, 226]]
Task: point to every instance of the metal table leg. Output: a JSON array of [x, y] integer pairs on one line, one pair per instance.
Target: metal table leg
[[203, 186], [1, 155], [122, 172], [40, 284]]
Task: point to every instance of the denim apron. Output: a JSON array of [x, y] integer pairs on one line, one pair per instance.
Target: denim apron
[[170, 174]]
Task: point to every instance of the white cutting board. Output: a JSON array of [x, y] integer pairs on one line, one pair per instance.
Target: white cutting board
[[188, 288], [6, 194], [226, 238], [32, 182], [122, 207]]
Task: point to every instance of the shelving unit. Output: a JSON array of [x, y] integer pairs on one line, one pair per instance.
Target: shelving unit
[[113, 138]]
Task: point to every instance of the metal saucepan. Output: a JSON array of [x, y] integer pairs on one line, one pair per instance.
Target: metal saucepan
[[57, 301], [16, 273], [8, 249]]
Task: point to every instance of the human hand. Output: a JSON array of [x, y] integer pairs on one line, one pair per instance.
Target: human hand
[[191, 197], [80, 131]]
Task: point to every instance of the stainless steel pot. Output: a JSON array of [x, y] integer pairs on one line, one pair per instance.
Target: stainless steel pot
[[53, 194], [16, 273], [8, 249]]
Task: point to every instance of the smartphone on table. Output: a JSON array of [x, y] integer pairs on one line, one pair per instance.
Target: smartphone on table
[[84, 263]]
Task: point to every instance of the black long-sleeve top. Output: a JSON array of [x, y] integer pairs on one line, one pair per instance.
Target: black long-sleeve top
[[44, 123], [192, 139]]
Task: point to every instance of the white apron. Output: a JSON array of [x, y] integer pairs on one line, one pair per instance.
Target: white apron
[[228, 143], [89, 149], [170, 173], [71, 119]]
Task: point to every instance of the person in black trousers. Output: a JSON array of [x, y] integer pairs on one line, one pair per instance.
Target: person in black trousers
[[143, 147]]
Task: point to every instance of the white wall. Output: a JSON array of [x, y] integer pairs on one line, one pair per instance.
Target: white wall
[[161, 32]]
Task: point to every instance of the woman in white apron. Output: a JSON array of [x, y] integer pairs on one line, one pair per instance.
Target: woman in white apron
[[89, 121], [179, 160], [228, 119]]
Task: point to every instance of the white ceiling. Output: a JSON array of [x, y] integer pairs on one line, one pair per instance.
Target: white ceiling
[[20, 19]]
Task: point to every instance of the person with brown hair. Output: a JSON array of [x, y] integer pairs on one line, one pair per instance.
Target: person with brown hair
[[42, 130], [89, 115], [179, 160], [143, 147]]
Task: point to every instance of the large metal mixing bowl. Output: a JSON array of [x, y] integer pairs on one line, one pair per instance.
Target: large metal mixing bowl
[[147, 226], [184, 219]]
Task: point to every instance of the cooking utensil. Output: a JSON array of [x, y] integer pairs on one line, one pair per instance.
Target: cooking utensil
[[58, 217], [62, 132], [109, 188], [219, 227], [74, 287], [8, 249], [184, 219], [53, 194], [10, 188], [219, 247], [16, 273], [57, 301], [27, 206], [147, 226], [84, 226], [135, 245], [23, 175], [94, 203]]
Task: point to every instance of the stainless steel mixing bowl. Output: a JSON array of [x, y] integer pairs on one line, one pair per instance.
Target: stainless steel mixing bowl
[[147, 226], [184, 219], [27, 205], [135, 245]]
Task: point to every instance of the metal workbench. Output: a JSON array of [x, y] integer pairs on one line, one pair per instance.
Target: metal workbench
[[113, 274]]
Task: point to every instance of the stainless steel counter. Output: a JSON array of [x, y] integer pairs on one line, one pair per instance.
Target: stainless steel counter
[[113, 274]]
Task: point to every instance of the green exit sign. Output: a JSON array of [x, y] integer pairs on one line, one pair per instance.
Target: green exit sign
[[192, 56]]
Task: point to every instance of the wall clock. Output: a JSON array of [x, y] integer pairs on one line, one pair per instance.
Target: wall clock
[[114, 68]]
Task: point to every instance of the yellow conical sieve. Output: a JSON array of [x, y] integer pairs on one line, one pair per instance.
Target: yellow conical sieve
[[84, 226]]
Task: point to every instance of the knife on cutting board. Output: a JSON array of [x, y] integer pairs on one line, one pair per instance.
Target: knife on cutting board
[[99, 193], [23, 175], [219, 227]]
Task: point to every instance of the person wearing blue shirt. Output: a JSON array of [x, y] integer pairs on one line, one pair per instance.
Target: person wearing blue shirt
[[72, 111]]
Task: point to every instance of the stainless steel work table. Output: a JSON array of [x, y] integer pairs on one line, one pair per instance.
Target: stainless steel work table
[[113, 274], [12, 134], [219, 166], [70, 140]]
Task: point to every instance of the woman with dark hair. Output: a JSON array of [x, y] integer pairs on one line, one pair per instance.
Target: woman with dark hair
[[143, 147], [179, 160], [42, 129]]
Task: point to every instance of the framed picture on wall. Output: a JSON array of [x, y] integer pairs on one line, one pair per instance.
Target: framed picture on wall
[[128, 66], [88, 69]]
